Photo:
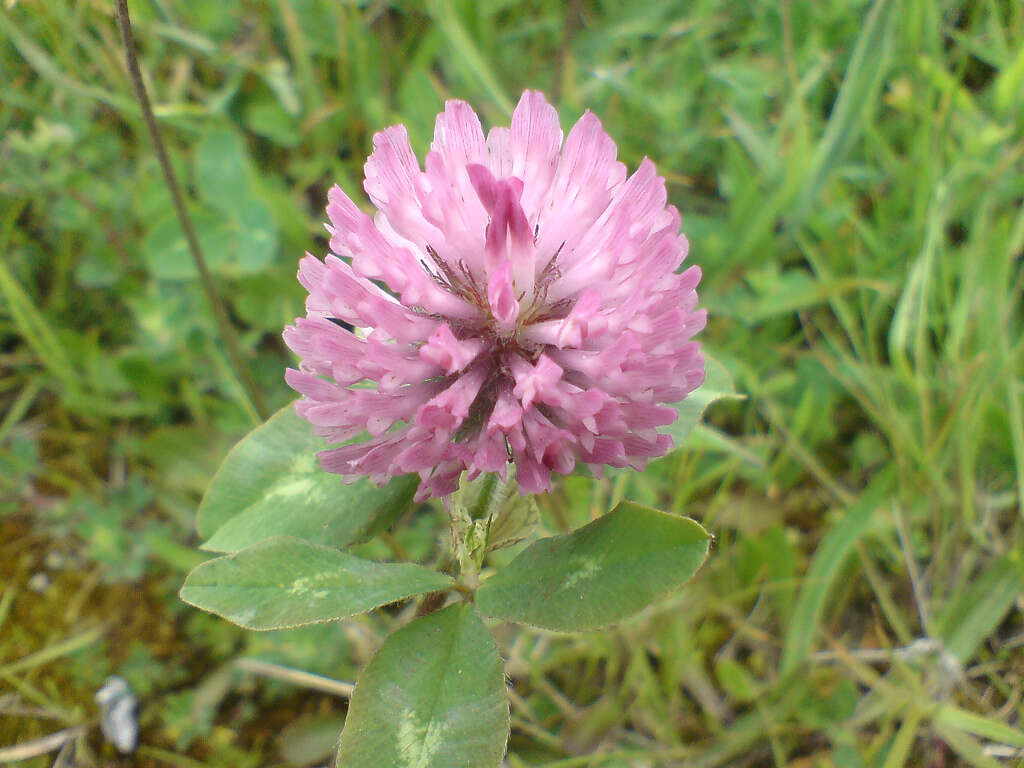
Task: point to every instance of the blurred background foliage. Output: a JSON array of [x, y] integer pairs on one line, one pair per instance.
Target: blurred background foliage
[[851, 178]]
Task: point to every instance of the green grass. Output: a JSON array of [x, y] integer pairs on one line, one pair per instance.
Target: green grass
[[851, 178]]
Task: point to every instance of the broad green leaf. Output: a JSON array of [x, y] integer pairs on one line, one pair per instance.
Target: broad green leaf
[[433, 697], [318, 23], [236, 230], [241, 242], [254, 237], [221, 169], [166, 251], [286, 582], [271, 484], [266, 117], [717, 385], [598, 574]]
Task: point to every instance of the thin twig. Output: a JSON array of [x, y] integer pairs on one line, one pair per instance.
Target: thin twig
[[296, 677], [227, 330], [66, 756], [1001, 750], [922, 646], [916, 586], [29, 749]]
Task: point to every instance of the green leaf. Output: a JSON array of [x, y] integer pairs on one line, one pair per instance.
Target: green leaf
[[271, 484], [254, 237], [433, 697], [166, 250], [598, 574], [287, 582], [236, 230], [267, 118], [717, 385], [221, 168], [237, 243]]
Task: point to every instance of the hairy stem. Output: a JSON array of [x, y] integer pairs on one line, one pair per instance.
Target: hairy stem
[[227, 331]]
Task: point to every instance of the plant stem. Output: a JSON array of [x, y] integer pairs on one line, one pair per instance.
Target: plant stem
[[296, 677], [227, 331]]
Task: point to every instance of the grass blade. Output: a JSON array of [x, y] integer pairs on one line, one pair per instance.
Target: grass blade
[[467, 54], [989, 729], [828, 561], [867, 68]]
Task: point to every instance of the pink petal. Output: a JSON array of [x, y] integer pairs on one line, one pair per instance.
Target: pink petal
[[458, 137], [499, 152], [501, 296], [581, 189], [534, 381], [447, 352], [396, 185], [448, 410], [534, 140], [507, 413]]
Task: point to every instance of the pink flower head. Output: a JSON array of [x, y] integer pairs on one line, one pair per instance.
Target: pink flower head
[[516, 300]]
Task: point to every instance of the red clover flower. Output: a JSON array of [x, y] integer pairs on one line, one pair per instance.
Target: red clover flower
[[517, 300]]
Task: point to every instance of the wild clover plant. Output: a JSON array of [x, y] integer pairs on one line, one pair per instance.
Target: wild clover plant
[[515, 310]]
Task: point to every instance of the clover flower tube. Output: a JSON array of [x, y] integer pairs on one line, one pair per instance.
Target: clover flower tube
[[516, 299]]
